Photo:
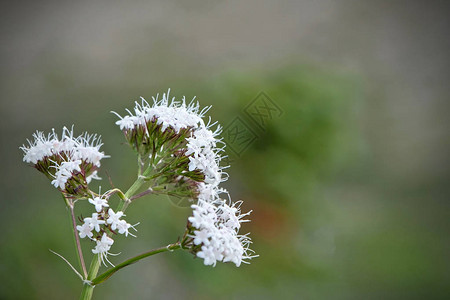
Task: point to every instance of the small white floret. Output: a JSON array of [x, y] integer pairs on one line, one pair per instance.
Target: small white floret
[[99, 203]]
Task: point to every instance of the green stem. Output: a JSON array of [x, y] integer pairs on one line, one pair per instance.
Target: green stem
[[131, 191], [88, 289], [101, 278], [118, 192]]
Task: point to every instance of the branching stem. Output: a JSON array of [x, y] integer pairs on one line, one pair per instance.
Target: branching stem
[[146, 192], [101, 278]]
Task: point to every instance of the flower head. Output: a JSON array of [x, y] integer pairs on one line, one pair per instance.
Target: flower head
[[172, 134], [214, 231], [70, 162], [185, 152]]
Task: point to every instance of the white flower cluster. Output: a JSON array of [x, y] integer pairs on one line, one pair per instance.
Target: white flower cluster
[[215, 224], [205, 156], [166, 114], [217, 227], [202, 150], [64, 171], [96, 226], [65, 155]]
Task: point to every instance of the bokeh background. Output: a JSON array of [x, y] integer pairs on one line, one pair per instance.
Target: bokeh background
[[349, 186]]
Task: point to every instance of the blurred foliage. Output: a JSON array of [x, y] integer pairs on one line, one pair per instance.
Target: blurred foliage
[[317, 223], [280, 175]]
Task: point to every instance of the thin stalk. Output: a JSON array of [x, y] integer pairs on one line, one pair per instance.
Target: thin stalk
[[101, 278], [77, 241], [140, 165], [118, 192], [149, 191]]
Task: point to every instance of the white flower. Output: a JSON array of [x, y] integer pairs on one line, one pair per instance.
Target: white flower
[[67, 155], [85, 230], [231, 215], [90, 154], [59, 181], [202, 237], [214, 225], [103, 245], [39, 148], [174, 114], [114, 218], [127, 122], [204, 215], [93, 176], [102, 248], [201, 147], [209, 192], [99, 203], [71, 166], [64, 171], [208, 255], [94, 222], [217, 231], [123, 227]]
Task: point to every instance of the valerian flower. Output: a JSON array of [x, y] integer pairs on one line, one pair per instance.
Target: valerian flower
[[99, 203], [70, 162], [114, 218], [94, 222], [103, 222], [123, 227], [173, 136], [85, 230], [102, 248], [179, 154], [214, 230]]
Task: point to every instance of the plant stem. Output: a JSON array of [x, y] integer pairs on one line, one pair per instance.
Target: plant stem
[[118, 192], [86, 293], [131, 191], [149, 191], [77, 241], [101, 278]]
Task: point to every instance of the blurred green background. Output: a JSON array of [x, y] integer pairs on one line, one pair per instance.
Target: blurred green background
[[348, 186]]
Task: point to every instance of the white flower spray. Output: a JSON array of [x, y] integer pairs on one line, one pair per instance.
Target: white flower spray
[[178, 154], [70, 162]]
